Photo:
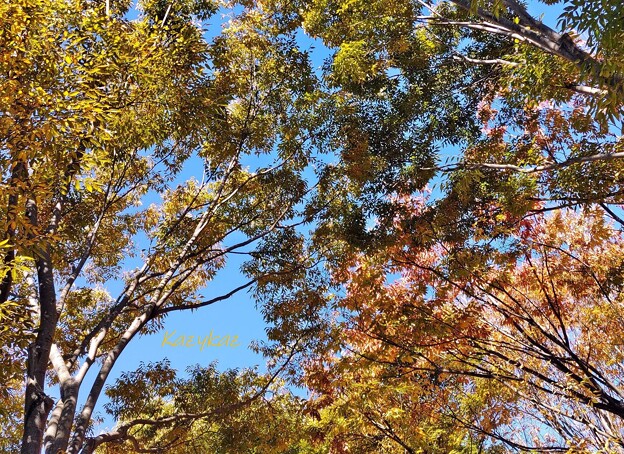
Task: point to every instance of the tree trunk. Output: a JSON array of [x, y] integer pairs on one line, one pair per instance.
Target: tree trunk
[[37, 405]]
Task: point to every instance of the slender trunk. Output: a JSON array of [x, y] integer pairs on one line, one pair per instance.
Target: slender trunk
[[62, 418], [69, 398], [53, 421], [87, 410], [37, 405]]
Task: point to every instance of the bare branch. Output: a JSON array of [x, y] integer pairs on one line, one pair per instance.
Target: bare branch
[[534, 169], [495, 61]]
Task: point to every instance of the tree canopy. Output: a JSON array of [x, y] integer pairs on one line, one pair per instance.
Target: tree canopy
[[432, 222]]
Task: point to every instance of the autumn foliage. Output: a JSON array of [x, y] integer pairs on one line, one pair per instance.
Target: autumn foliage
[[427, 196], [450, 349]]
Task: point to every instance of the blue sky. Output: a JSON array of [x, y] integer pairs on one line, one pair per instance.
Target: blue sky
[[237, 316]]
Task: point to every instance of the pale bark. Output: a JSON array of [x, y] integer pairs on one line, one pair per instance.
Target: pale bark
[[534, 32]]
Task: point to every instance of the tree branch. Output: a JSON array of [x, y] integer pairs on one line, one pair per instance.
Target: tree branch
[[534, 169]]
